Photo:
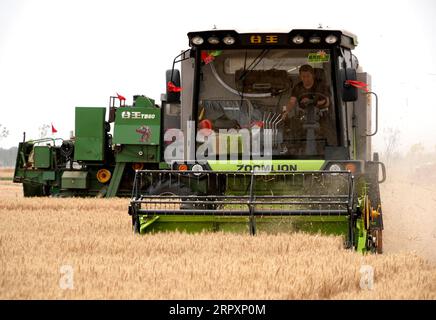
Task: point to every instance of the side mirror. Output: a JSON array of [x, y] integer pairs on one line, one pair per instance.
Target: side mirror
[[172, 75], [349, 93]]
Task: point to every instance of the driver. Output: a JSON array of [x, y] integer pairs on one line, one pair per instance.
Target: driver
[[308, 89]]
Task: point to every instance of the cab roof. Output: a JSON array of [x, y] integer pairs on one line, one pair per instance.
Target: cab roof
[[307, 38]]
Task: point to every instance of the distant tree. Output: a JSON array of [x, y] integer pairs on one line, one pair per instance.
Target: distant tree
[[416, 154], [4, 132], [8, 157], [416, 149], [392, 138]]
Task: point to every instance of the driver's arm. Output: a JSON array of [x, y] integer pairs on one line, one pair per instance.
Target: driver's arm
[[291, 105]]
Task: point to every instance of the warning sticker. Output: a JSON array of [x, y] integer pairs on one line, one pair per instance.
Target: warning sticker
[[318, 57]]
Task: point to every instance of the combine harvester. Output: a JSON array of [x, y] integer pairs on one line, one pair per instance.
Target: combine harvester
[[258, 132]]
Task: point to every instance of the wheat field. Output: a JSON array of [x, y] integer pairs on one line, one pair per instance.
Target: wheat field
[[105, 260], [6, 173]]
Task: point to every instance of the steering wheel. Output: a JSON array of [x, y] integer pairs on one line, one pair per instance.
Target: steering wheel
[[310, 111], [316, 96]]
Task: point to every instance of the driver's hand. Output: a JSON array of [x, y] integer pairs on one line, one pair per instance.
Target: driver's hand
[[321, 103], [285, 115], [305, 100]]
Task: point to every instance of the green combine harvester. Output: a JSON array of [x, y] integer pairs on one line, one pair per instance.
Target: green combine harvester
[[256, 132]]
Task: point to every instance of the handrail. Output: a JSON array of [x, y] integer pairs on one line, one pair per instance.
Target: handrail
[[376, 114], [42, 140]]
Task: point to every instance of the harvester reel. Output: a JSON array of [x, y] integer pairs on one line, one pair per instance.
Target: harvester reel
[[164, 189]]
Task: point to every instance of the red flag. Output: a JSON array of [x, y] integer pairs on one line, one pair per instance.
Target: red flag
[[357, 84], [172, 87], [121, 97], [53, 130], [206, 57]]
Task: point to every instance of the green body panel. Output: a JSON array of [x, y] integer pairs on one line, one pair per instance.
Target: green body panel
[[335, 225], [138, 153], [164, 166], [361, 236], [266, 165], [74, 180], [146, 223], [28, 175], [137, 126], [35, 176], [90, 134], [271, 183], [48, 175], [143, 102], [42, 157]]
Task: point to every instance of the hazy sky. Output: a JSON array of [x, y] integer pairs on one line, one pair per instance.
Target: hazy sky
[[55, 55]]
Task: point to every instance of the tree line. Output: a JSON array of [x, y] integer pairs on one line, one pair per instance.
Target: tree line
[[8, 157]]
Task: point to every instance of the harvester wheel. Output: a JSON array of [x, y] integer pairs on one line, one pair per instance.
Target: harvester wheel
[[375, 209]]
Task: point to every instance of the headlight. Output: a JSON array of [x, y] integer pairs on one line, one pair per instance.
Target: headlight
[[355, 167], [182, 167], [298, 39], [197, 169], [197, 40], [315, 40], [335, 167], [331, 39], [213, 40], [229, 40]]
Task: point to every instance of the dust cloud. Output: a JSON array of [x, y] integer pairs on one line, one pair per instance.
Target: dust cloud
[[409, 201]]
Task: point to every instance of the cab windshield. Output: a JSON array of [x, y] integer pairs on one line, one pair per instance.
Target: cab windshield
[[283, 96]]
